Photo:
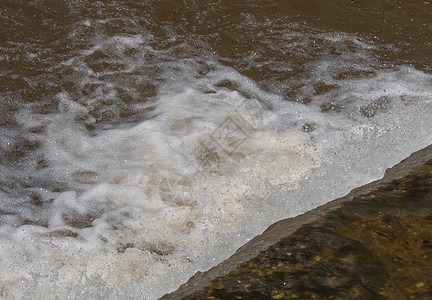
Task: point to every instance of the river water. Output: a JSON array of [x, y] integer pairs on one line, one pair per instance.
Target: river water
[[142, 141]]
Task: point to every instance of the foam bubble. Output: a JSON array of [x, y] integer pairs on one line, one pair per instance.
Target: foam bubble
[[129, 200]]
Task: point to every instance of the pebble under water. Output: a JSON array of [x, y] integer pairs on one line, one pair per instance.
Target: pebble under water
[[143, 141]]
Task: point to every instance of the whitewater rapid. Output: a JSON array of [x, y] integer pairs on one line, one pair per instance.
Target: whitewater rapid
[[108, 203]]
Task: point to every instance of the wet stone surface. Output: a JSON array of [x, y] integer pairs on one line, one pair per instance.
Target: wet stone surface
[[377, 246]]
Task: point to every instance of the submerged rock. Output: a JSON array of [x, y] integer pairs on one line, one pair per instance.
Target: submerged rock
[[374, 243]]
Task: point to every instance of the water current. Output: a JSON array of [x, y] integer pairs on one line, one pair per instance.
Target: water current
[[143, 141]]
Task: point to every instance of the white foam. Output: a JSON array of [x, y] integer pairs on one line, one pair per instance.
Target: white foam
[[144, 205]]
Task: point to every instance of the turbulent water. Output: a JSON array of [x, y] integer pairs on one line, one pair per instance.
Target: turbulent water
[[142, 141]]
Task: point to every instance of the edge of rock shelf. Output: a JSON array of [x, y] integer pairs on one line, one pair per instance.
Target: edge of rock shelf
[[285, 228]]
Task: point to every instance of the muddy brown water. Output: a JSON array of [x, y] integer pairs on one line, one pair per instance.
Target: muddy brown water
[[37, 36], [401, 29], [42, 26]]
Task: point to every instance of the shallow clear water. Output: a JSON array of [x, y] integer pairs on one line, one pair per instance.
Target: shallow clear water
[[144, 141]]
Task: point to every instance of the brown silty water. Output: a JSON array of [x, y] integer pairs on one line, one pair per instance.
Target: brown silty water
[[36, 36], [44, 27], [242, 33], [274, 43]]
